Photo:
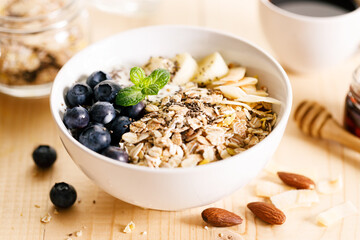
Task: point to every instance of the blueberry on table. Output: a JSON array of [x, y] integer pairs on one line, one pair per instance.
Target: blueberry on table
[[118, 127], [77, 117], [135, 112], [63, 195], [44, 156], [116, 153], [106, 91], [102, 112], [97, 77], [79, 94], [95, 137]]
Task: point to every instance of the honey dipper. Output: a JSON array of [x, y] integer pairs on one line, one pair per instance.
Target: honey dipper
[[314, 120]]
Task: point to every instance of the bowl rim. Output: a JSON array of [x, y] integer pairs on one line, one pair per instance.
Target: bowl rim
[[106, 160]]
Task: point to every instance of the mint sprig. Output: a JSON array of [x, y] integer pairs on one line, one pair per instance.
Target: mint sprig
[[143, 86]]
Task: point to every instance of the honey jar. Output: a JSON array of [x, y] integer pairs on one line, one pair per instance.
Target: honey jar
[[352, 105]]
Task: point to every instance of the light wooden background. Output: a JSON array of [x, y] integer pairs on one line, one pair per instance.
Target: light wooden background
[[25, 124]]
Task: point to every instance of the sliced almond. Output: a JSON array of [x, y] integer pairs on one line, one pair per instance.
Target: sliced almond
[[239, 95], [335, 214], [294, 199], [249, 89], [296, 180], [330, 187], [269, 189], [234, 74], [219, 217], [267, 212]]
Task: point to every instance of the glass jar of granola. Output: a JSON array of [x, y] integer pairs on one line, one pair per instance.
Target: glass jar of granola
[[36, 38]]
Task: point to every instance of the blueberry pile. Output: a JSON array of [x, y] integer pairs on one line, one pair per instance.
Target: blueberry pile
[[95, 120]]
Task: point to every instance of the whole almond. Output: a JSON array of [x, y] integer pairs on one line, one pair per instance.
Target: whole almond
[[219, 217], [296, 180], [267, 212]]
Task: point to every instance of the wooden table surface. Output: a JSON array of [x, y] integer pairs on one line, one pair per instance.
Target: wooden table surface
[[24, 124]]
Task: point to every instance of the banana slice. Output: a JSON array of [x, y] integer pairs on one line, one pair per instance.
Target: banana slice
[[187, 68], [336, 213], [159, 62], [211, 68]]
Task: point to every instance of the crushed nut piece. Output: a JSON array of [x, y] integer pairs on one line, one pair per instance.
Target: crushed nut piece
[[129, 228], [46, 218], [78, 233]]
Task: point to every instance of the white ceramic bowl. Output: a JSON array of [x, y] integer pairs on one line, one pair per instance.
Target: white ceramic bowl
[[172, 189]]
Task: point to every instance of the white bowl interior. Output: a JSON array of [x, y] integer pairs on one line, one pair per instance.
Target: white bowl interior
[[133, 48]]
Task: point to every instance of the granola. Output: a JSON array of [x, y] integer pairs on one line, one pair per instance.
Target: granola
[[194, 127]]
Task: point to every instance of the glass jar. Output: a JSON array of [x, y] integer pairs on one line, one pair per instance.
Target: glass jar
[[352, 105], [37, 37]]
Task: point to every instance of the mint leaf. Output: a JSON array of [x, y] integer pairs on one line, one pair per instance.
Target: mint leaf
[[160, 77], [143, 87], [137, 74], [129, 96], [153, 89]]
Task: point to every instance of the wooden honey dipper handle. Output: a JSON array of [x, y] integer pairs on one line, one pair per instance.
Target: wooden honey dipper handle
[[314, 120]]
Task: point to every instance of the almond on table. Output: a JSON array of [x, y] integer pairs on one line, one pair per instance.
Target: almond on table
[[267, 212], [296, 180], [219, 217]]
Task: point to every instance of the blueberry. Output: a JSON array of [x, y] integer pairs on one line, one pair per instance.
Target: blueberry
[[102, 112], [119, 126], [95, 137], [135, 112], [79, 94], [63, 195], [106, 91], [44, 156], [77, 117], [116, 153], [96, 77]]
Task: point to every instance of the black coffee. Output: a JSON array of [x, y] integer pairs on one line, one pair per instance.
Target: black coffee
[[317, 8]]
